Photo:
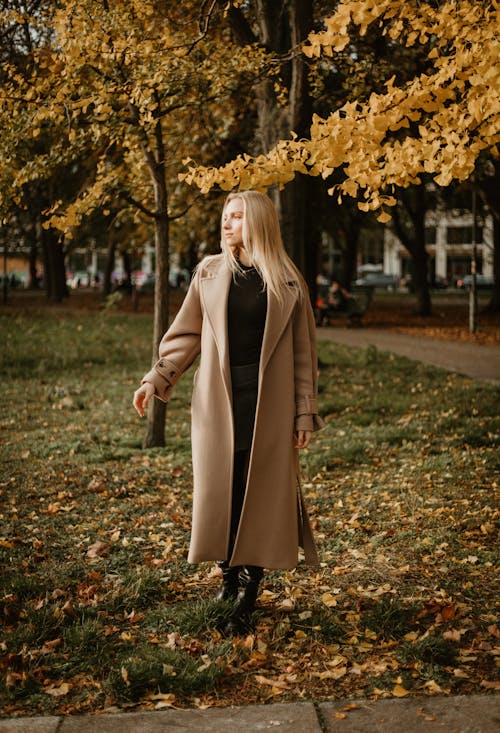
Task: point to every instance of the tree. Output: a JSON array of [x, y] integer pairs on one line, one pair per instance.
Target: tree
[[489, 190], [436, 123], [283, 103], [135, 82], [24, 200]]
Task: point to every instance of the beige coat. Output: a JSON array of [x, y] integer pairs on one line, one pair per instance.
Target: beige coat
[[273, 521]]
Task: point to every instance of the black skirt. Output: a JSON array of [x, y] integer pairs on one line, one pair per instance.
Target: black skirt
[[245, 384]]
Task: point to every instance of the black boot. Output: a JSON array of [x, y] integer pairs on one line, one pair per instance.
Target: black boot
[[230, 581], [249, 579]]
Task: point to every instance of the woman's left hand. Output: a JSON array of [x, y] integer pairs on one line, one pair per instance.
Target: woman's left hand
[[302, 438]]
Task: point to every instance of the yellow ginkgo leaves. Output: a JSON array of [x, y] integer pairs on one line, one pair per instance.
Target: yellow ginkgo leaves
[[437, 123]]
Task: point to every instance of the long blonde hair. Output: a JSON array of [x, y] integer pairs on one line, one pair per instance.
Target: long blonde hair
[[263, 244]]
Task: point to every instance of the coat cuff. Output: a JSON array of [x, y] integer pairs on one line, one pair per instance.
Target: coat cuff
[[306, 414], [311, 423], [306, 406], [163, 377]]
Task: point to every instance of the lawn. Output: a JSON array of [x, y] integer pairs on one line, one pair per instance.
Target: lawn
[[101, 610]]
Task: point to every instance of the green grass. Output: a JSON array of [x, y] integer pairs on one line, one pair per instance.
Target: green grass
[[401, 488]]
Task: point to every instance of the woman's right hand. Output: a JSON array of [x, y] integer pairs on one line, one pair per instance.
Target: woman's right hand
[[142, 397]]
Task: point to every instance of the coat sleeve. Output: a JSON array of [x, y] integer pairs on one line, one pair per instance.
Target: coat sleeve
[[179, 346], [305, 368]]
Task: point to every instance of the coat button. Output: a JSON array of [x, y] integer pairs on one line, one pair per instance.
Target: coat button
[[161, 364], [172, 374]]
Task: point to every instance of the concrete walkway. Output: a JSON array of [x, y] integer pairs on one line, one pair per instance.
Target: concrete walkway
[[463, 714], [478, 361]]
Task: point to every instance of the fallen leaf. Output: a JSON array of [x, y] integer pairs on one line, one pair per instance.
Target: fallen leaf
[[331, 674], [400, 691], [98, 549], [448, 612], [494, 685], [163, 699], [50, 646], [58, 691], [426, 716], [68, 610], [124, 674], [272, 683], [329, 600]]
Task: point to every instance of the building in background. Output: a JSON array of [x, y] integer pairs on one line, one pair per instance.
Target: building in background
[[449, 245]]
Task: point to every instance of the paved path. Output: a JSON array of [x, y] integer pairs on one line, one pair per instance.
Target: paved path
[[463, 714], [474, 360]]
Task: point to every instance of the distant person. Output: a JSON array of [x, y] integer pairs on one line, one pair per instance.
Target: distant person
[[338, 298], [254, 403]]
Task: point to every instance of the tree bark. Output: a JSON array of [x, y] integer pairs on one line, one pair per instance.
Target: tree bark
[[494, 303], [110, 265], [54, 264], [155, 429], [281, 27], [351, 253], [412, 235], [491, 191], [33, 278], [296, 204]]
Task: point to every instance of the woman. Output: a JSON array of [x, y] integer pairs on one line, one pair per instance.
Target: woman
[[254, 402]]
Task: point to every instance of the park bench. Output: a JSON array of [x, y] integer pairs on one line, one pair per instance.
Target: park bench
[[356, 305]]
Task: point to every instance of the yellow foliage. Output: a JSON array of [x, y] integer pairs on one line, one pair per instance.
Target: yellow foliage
[[457, 107], [114, 80]]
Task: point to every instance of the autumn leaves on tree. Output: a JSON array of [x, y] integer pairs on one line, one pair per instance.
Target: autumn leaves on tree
[[456, 108]]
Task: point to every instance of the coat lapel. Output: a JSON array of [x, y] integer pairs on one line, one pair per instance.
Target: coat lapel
[[277, 318], [214, 286]]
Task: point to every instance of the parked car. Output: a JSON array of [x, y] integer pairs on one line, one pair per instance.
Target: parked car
[[483, 282], [78, 279], [379, 280], [436, 282], [439, 283], [177, 278], [147, 285]]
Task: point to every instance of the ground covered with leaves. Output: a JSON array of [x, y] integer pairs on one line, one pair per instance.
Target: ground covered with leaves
[[100, 609]]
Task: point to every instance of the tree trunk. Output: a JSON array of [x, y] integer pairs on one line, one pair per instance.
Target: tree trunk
[[298, 230], [109, 266], [420, 256], [351, 254], [280, 27], [494, 303], [127, 266], [155, 430], [491, 189], [412, 235], [33, 278], [421, 282], [54, 265]]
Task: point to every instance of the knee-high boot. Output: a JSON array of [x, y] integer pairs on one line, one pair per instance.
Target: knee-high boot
[[230, 581], [249, 579]]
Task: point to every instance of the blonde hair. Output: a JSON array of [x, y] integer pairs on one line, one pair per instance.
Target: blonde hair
[[263, 244]]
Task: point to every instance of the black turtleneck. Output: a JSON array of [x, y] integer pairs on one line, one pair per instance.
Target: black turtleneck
[[246, 317]]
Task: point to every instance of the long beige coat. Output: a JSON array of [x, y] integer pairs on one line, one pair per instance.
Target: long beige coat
[[274, 522]]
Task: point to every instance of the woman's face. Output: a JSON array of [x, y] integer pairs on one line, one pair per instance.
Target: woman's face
[[232, 224]]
